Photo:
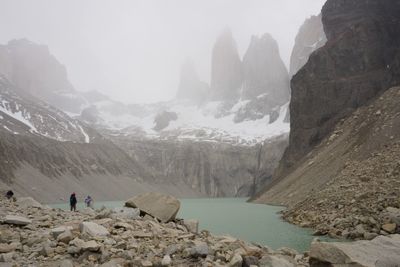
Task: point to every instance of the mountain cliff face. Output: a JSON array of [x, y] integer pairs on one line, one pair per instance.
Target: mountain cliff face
[[339, 173], [359, 61], [32, 68], [214, 169], [264, 71], [226, 69], [266, 81], [310, 37], [190, 86]]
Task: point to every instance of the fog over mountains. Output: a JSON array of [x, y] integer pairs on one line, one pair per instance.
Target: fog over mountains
[[133, 50]]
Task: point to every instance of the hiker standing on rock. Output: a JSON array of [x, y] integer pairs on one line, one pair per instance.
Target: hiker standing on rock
[[73, 201], [89, 201]]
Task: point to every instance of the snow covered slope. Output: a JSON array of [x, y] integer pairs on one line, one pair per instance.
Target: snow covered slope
[[213, 121], [21, 113]]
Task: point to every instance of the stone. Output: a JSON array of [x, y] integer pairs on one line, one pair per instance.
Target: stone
[[46, 251], [166, 261], [114, 263], [163, 119], [6, 257], [360, 253], [171, 249], [199, 250], [90, 246], [275, 261], [5, 248], [65, 237], [126, 213], [28, 202], [250, 261], [93, 229], [55, 232], [66, 263], [88, 211], [16, 220], [160, 206], [370, 236], [389, 228], [146, 263], [236, 261], [192, 225]]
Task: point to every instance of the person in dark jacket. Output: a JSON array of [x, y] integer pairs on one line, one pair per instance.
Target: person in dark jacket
[[9, 194], [73, 201]]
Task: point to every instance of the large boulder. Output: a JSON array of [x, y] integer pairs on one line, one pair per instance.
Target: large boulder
[[93, 229], [162, 207], [382, 251], [16, 220], [28, 202]]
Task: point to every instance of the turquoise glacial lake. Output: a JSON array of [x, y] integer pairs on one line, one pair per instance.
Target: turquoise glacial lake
[[234, 216]]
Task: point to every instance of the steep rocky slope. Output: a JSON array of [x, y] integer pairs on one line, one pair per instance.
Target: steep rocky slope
[[311, 36], [32, 68], [350, 184], [359, 61]]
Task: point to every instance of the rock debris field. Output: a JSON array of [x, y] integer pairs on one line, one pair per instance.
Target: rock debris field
[[32, 234]]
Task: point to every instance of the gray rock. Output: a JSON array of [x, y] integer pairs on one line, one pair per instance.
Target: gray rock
[[360, 253], [275, 261], [125, 213], [389, 228], [192, 225], [114, 263], [250, 261], [166, 261], [171, 249], [16, 220], [55, 232], [66, 263], [6, 257], [199, 250], [5, 248], [93, 229], [28, 202], [162, 207], [236, 261], [65, 237]]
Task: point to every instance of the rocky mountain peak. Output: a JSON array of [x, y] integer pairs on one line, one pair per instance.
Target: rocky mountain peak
[[226, 68], [264, 71], [32, 68], [310, 37], [190, 86]]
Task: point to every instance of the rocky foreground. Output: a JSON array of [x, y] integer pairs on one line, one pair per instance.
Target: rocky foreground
[[35, 235]]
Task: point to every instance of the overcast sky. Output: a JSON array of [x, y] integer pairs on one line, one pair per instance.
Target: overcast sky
[[132, 50]]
